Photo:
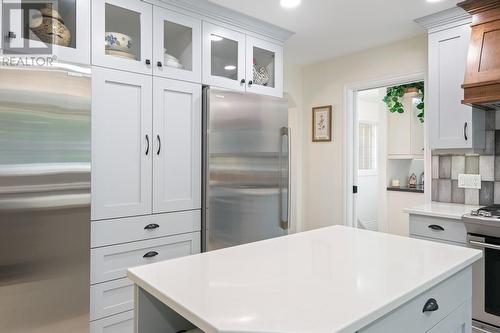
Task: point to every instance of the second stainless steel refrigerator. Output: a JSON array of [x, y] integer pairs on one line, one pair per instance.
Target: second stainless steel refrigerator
[[246, 168]]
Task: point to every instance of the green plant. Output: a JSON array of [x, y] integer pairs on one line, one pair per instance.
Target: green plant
[[394, 96]]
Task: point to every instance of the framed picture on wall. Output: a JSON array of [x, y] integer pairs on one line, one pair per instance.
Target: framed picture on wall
[[322, 124]]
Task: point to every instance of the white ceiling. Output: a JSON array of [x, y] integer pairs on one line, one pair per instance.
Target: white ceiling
[[330, 28]]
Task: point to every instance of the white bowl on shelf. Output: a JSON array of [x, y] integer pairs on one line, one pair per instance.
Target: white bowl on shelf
[[117, 41]]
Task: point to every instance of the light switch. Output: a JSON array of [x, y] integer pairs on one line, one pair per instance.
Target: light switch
[[469, 181]]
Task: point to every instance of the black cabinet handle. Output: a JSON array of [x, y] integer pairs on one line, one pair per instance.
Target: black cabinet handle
[[147, 140], [465, 132], [430, 306], [243, 81], [150, 254], [250, 82], [159, 144], [148, 62], [436, 227], [11, 35], [159, 64], [151, 226]]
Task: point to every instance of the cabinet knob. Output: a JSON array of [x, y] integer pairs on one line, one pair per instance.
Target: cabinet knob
[[148, 62], [243, 81], [150, 254], [159, 64], [430, 306], [250, 82]]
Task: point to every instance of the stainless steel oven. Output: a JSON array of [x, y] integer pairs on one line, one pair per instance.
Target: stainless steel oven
[[486, 284]]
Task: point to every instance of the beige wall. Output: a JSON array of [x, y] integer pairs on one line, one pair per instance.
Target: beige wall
[[323, 84]]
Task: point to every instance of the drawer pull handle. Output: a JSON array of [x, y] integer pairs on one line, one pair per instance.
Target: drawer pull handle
[[151, 226], [436, 227], [430, 306], [150, 254]]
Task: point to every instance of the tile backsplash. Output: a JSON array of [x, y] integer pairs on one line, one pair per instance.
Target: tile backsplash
[[446, 168]]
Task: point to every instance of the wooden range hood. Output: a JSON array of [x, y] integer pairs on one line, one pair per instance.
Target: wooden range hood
[[482, 73]]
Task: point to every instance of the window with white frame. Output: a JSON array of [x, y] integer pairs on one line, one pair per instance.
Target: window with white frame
[[367, 141]]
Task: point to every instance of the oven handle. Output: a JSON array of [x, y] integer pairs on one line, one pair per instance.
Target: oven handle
[[484, 245], [479, 329]]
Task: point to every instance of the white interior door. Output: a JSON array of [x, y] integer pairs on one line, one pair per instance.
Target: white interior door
[[223, 57], [177, 148], [122, 35], [177, 46], [121, 144]]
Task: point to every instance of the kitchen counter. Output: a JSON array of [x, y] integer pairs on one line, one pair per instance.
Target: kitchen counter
[[441, 209], [335, 279]]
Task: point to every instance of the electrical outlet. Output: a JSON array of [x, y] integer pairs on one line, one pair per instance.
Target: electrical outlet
[[469, 181]]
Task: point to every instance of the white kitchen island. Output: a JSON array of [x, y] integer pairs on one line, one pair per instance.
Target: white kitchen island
[[335, 279]]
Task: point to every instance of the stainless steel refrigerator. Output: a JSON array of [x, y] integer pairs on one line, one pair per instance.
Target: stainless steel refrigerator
[[44, 200], [246, 169]]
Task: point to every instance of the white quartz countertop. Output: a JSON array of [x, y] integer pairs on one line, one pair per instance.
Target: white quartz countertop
[[335, 279], [441, 209]]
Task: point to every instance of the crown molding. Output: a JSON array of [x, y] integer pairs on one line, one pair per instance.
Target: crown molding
[[215, 12], [454, 15]]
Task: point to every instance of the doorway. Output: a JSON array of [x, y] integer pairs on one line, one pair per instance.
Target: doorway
[[370, 171], [371, 163]]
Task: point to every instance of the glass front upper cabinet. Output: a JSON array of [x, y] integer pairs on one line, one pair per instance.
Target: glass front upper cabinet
[[223, 57], [264, 67], [54, 27], [122, 35], [177, 46]]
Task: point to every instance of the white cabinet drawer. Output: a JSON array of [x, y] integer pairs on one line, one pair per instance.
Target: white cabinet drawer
[[122, 323], [410, 318], [438, 228], [110, 298], [111, 232], [111, 262]]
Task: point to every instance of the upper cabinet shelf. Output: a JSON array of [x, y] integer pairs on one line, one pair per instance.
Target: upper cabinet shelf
[[122, 35], [59, 28], [241, 62], [172, 40], [177, 45]]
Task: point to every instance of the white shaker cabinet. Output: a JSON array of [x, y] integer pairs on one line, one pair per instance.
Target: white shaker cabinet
[[121, 144], [406, 132], [264, 67], [122, 35], [176, 46], [223, 57], [177, 153], [452, 124]]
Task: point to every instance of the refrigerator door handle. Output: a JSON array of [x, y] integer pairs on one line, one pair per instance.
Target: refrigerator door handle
[[284, 179]]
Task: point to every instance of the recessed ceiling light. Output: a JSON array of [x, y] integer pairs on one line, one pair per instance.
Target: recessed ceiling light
[[290, 3], [216, 38], [230, 67]]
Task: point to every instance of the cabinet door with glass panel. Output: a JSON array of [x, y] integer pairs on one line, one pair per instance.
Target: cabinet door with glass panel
[[223, 57], [264, 67], [59, 28], [122, 35], [176, 46]]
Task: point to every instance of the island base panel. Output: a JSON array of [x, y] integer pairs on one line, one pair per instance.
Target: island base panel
[[152, 316]]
